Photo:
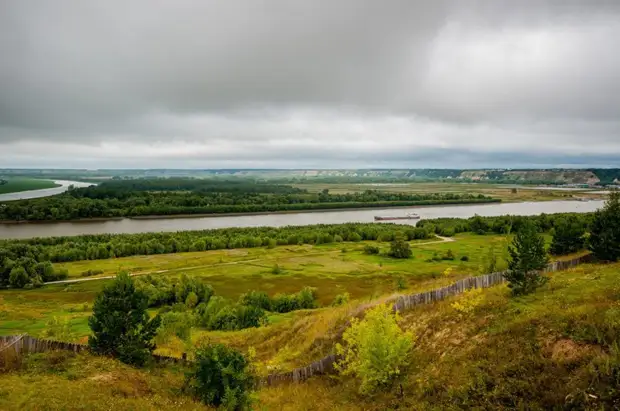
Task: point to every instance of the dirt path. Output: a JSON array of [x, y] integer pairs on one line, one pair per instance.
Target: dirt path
[[108, 277]]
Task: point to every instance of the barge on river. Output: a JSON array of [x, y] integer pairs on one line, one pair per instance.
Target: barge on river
[[408, 216]]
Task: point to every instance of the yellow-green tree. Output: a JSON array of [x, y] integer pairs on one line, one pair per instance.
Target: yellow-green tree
[[375, 349]]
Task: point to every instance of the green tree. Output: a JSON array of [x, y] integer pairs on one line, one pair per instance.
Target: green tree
[[192, 300], [527, 257], [399, 248], [375, 349], [120, 323], [604, 241], [568, 237], [18, 278], [222, 376]]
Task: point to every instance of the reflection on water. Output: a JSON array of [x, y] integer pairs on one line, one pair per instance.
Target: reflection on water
[[278, 220]]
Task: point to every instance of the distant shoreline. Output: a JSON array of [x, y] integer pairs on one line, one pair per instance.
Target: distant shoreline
[[242, 214]]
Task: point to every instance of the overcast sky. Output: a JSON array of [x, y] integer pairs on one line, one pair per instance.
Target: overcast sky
[[309, 84]]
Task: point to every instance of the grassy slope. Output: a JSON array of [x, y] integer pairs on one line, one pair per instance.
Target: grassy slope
[[536, 352], [324, 267], [290, 340], [16, 185], [542, 351], [64, 381]]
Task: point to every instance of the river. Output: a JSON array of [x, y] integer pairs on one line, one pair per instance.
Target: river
[[276, 220], [46, 192]]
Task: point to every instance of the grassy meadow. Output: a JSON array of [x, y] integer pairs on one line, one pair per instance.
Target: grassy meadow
[[17, 184], [291, 339], [500, 191], [553, 349]]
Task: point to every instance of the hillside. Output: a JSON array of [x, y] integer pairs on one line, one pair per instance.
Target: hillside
[[553, 349], [533, 176]]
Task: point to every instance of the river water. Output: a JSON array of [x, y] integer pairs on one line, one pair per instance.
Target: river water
[[46, 192], [277, 220]]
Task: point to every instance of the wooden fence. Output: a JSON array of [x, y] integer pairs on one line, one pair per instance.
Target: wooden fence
[[326, 365], [22, 344], [25, 344]]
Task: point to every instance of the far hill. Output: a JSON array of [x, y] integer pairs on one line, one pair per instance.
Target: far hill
[[591, 176]]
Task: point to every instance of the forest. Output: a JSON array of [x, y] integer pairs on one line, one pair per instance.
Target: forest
[[182, 196]]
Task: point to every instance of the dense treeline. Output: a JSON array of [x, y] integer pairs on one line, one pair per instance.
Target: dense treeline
[[101, 246], [151, 197], [501, 224], [125, 188], [26, 270]]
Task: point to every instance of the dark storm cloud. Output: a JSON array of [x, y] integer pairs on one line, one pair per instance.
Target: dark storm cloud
[[326, 83]]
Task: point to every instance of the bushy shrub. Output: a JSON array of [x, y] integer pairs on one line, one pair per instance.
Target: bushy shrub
[[304, 299], [371, 249], [375, 349], [258, 299], [90, 273], [18, 278], [469, 301], [58, 329], [568, 237], [177, 324], [355, 237], [465, 258], [448, 256], [160, 290], [221, 314], [399, 248], [340, 299], [401, 283], [221, 377]]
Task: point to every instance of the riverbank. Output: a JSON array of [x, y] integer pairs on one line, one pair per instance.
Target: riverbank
[[173, 224], [19, 185], [374, 206], [199, 216], [57, 187]]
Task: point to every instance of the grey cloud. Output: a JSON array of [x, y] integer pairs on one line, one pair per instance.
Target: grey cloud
[[252, 82]]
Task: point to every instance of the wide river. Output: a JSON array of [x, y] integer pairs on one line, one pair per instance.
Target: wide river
[[277, 220]]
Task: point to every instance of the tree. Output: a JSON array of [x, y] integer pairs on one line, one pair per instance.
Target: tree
[[120, 323], [568, 237], [18, 278], [604, 241], [399, 248], [375, 349], [527, 257], [222, 376]]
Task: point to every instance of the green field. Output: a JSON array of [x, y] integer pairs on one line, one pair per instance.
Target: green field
[[553, 349], [18, 184], [332, 268], [503, 192]]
